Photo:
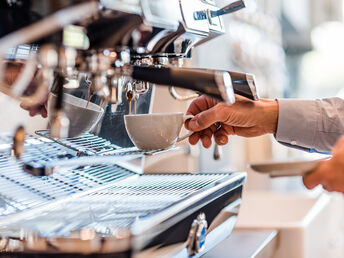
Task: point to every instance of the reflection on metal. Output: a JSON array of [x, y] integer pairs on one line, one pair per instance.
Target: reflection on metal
[[177, 96], [18, 142], [217, 152]]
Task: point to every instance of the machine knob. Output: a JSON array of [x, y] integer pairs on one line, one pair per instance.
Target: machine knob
[[231, 8], [18, 142], [197, 235]]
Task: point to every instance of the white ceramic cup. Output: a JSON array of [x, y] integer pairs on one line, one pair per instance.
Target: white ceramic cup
[[156, 131], [81, 119]]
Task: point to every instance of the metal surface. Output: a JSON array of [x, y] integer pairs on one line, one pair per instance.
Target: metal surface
[[89, 144], [112, 207], [247, 244], [104, 205], [110, 214], [20, 191]]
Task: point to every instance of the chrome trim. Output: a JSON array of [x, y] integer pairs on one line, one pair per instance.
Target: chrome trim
[[146, 223], [179, 97], [124, 237], [48, 168], [224, 84], [129, 6], [251, 83], [156, 14]]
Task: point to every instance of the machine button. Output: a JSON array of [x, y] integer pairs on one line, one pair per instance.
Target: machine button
[[197, 235]]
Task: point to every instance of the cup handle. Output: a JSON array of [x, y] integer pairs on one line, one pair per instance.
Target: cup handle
[[181, 138]]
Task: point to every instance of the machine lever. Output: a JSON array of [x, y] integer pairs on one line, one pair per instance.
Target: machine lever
[[233, 7]]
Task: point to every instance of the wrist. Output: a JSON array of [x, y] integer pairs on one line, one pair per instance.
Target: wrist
[[270, 116]]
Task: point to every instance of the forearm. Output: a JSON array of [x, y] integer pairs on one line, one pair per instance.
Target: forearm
[[311, 123]]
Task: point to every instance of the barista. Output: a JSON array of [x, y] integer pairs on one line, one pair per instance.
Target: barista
[[311, 125]]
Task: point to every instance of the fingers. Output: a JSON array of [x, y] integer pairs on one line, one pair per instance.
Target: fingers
[[319, 176], [208, 117], [221, 139], [221, 135], [194, 138], [311, 180], [44, 112], [200, 104], [34, 110], [206, 135]]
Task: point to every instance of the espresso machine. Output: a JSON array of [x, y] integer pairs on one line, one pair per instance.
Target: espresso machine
[[64, 195]]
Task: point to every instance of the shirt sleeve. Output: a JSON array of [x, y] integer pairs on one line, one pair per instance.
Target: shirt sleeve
[[310, 124]]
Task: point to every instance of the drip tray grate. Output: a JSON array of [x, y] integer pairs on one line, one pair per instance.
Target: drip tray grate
[[114, 207], [90, 144], [20, 191]]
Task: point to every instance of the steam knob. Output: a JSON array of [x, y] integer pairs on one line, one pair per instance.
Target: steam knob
[[140, 87], [18, 142], [197, 235]]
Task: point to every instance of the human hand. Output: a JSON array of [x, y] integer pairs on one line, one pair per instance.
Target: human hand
[[330, 173], [38, 108], [244, 118], [12, 72]]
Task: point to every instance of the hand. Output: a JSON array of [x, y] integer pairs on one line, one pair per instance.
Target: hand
[[330, 173], [244, 118], [12, 72], [39, 108]]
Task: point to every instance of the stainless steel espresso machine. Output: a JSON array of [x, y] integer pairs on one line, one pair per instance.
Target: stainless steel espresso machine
[[65, 195]]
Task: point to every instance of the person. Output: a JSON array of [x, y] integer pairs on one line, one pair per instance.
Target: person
[[310, 125]]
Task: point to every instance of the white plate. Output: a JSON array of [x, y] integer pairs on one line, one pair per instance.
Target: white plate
[[291, 168]]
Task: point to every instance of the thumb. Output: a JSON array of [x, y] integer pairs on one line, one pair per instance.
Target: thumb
[[205, 119]]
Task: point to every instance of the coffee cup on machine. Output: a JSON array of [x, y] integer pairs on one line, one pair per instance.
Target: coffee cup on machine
[[156, 131], [83, 116]]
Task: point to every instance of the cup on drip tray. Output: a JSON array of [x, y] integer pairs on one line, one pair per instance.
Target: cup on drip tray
[[83, 116], [156, 131]]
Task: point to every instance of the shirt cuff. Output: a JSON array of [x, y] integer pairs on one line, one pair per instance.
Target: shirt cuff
[[297, 122]]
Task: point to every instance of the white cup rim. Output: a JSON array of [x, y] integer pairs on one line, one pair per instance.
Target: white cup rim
[[156, 114]]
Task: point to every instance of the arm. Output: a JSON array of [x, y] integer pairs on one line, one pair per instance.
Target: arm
[[300, 123], [244, 118], [310, 124]]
